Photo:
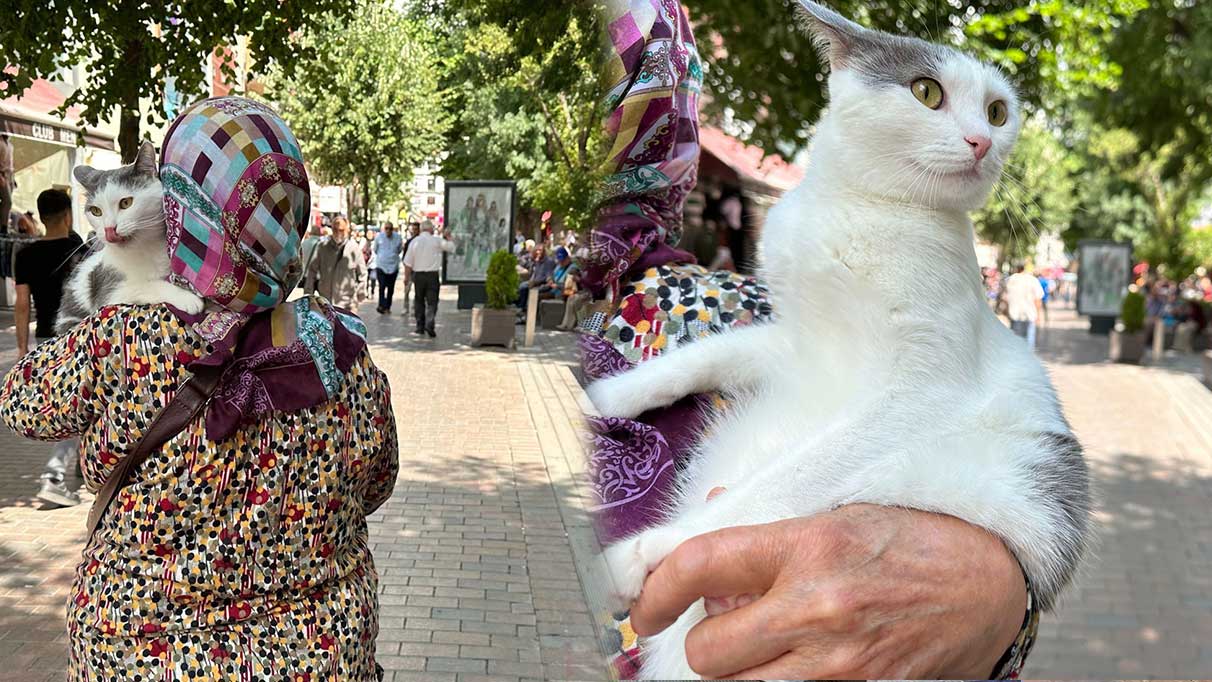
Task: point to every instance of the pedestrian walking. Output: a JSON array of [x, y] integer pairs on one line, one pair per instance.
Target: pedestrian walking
[[1025, 301], [367, 243], [388, 248], [422, 265], [238, 547], [414, 230], [337, 270], [307, 249], [40, 270]]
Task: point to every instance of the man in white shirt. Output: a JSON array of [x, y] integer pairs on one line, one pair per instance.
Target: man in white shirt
[[1024, 298], [386, 252], [422, 265]]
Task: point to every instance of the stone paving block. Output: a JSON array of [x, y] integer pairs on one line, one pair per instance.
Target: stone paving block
[[496, 667], [455, 665], [410, 676], [499, 653], [472, 638], [401, 662]]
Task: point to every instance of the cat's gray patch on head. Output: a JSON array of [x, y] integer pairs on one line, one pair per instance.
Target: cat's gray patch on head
[[1065, 479], [878, 58], [143, 171], [884, 59]]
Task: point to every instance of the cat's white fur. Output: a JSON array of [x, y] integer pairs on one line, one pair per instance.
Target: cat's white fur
[[142, 259], [885, 377]]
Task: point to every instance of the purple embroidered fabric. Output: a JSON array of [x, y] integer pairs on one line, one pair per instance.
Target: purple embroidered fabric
[[262, 377]]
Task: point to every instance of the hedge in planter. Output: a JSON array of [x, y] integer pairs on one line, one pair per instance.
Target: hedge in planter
[[493, 323], [501, 281], [1132, 312], [1128, 338]]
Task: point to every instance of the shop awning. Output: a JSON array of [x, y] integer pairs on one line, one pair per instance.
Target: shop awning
[[29, 116], [749, 162]]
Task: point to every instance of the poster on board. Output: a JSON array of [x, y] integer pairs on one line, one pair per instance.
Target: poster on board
[[1103, 278], [479, 215]]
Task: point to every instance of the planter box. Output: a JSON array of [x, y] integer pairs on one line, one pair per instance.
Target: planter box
[[1127, 347], [493, 327]]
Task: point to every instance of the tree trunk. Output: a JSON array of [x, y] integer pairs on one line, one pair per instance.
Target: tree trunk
[[128, 134], [365, 202]]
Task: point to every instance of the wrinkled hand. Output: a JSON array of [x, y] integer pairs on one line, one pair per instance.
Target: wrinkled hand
[[863, 592]]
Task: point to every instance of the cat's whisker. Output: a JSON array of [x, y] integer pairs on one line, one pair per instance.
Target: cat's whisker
[[1018, 204]]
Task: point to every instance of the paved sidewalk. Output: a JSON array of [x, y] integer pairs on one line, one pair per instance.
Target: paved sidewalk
[[478, 550]]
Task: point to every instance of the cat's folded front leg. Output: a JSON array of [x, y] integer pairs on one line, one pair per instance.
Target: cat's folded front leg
[[727, 361], [165, 292]]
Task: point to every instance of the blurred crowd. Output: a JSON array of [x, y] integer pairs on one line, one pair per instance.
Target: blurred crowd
[[1182, 309]]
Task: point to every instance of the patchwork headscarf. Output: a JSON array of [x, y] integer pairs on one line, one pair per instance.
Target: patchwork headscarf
[[236, 204]]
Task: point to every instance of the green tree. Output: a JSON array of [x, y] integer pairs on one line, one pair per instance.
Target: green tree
[[525, 98], [367, 106], [132, 50], [1165, 101], [1035, 194]]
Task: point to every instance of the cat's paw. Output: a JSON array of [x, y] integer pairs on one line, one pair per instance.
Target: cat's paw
[[186, 301], [629, 562], [620, 396]]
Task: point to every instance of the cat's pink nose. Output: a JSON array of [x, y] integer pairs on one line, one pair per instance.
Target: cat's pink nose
[[980, 145]]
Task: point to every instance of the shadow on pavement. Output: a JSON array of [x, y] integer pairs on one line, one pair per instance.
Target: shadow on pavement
[[1149, 613]]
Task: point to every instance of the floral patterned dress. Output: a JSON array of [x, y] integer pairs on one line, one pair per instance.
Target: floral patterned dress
[[242, 560]]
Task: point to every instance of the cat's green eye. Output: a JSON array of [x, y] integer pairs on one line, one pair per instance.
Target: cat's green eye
[[95, 210], [928, 92], [126, 202], [997, 113]]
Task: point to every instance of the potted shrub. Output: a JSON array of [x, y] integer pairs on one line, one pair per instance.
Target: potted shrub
[[1128, 337], [493, 323]]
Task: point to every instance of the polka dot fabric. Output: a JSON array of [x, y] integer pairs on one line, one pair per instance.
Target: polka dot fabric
[[244, 560], [672, 304]]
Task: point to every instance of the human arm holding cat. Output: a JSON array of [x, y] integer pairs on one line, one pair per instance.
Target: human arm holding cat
[[21, 310], [862, 592]]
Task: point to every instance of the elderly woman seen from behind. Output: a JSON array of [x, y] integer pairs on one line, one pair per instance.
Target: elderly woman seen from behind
[[238, 549]]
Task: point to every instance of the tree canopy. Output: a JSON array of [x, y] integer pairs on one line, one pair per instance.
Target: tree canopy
[[524, 98], [135, 50], [366, 104]]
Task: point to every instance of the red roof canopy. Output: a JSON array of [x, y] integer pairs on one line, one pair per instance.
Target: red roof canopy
[[750, 161]]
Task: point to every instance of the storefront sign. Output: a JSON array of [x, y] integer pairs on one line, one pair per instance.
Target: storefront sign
[[51, 133]]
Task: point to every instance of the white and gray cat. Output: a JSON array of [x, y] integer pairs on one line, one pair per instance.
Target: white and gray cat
[[885, 377], [125, 207]]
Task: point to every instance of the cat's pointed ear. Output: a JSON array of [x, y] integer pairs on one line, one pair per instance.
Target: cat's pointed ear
[[145, 161], [87, 177], [834, 36]]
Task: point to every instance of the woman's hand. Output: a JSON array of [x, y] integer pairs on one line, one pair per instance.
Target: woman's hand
[[863, 592]]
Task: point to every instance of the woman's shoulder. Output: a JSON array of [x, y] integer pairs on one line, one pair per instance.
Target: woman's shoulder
[[130, 323]]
